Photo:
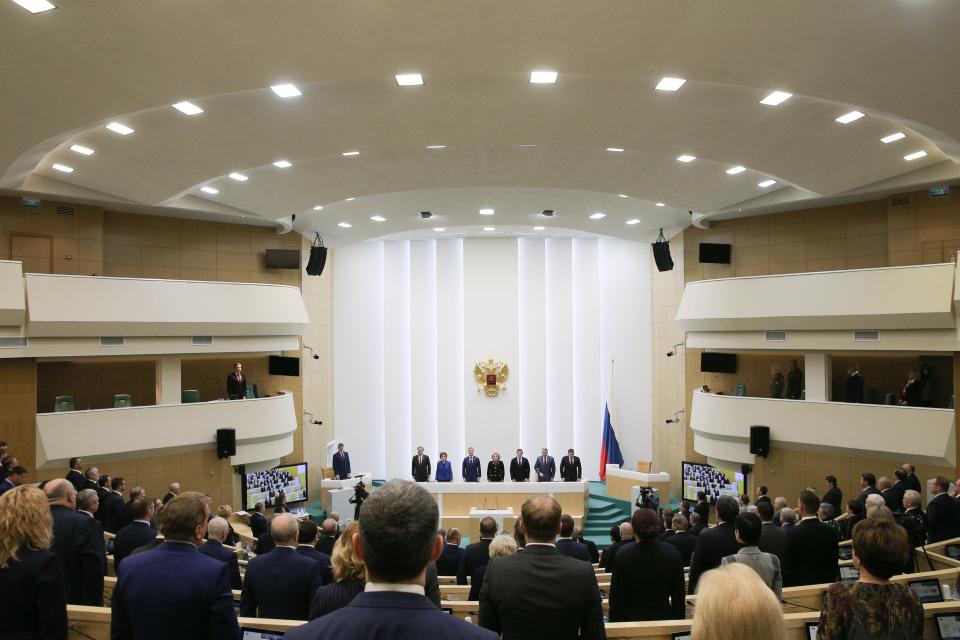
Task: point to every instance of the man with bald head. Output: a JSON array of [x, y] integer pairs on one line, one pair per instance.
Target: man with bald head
[[217, 530], [328, 536], [78, 541], [626, 537], [172, 492], [281, 583]]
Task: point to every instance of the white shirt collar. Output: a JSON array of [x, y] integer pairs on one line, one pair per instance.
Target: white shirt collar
[[562, 538], [373, 587], [84, 511], [808, 518], [146, 522], [541, 544]]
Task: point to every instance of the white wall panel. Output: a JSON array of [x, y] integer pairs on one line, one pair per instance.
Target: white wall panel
[[397, 436], [452, 372], [587, 356], [423, 344], [561, 376], [532, 366]]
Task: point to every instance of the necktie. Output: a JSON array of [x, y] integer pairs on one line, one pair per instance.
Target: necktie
[[420, 460]]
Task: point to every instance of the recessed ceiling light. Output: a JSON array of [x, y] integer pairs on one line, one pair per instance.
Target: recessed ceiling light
[[122, 129], [350, 199], [409, 79], [597, 215], [282, 164], [82, 150], [670, 84], [766, 183], [439, 229], [436, 146], [660, 204], [615, 149], [210, 190], [622, 195], [893, 137], [633, 221], [489, 228], [486, 212], [239, 177], [847, 118], [378, 218], [686, 158], [543, 77], [915, 155], [62, 167], [526, 146], [319, 207], [350, 153], [187, 108], [35, 6], [345, 225], [286, 90], [539, 228], [735, 170], [776, 98]]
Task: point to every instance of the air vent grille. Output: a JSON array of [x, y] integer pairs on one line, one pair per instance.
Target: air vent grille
[[201, 341], [13, 343], [775, 336], [905, 200], [65, 211], [112, 341], [866, 336]]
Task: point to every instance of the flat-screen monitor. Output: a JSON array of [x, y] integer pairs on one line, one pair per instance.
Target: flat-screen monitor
[[812, 628], [713, 481], [283, 259], [927, 590], [953, 551], [681, 635], [948, 626], [265, 486], [846, 552], [711, 362], [249, 633], [110, 543], [849, 574], [283, 366], [715, 253]]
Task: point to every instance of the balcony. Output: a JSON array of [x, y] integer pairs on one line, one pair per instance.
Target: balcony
[[13, 310]]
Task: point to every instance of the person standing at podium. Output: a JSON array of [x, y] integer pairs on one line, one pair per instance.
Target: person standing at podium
[[444, 470], [570, 469], [520, 468], [341, 464], [545, 467], [421, 467], [495, 471], [471, 467], [237, 383]]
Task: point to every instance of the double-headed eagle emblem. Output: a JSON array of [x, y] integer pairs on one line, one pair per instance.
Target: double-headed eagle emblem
[[490, 376]]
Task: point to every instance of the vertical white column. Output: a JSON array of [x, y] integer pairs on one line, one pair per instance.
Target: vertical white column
[[423, 344], [452, 374], [397, 438], [168, 380], [532, 367], [561, 376], [817, 375], [587, 395]]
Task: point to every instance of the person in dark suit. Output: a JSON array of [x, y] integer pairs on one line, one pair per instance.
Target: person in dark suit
[[794, 381], [762, 495], [91, 479], [773, 539], [478, 553], [545, 467], [626, 538], [943, 512], [901, 484], [449, 560], [855, 513], [519, 467], [341, 464], [833, 495], [868, 486], [696, 524], [540, 592], [591, 545], [503, 545], [103, 491], [647, 581], [349, 577], [265, 543], [237, 383], [78, 542], [812, 547], [891, 495], [16, 477], [281, 583], [126, 517], [397, 540], [34, 603], [258, 521], [88, 503], [307, 546], [112, 505], [172, 492], [570, 469], [137, 533], [605, 554], [75, 474], [911, 393], [217, 531], [713, 545], [174, 591], [328, 536], [913, 482], [470, 469], [681, 540], [854, 385], [421, 467], [495, 470], [567, 545]]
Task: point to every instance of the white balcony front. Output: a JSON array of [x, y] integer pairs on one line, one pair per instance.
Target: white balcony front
[[13, 310], [721, 428], [264, 430]]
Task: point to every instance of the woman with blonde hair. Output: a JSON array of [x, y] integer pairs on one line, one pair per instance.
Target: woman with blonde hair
[[349, 574], [225, 511], [31, 577], [733, 603]]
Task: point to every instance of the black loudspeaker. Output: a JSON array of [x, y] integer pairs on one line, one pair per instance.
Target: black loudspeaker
[[226, 443], [661, 253], [318, 257], [760, 440]]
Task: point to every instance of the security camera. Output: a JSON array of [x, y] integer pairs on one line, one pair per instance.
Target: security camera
[[293, 218], [316, 356], [673, 351], [425, 215], [548, 213]]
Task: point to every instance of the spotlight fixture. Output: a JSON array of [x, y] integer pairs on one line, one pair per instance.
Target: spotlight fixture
[[675, 418], [660, 204], [597, 215], [766, 183], [62, 167], [487, 212], [673, 351], [852, 116], [378, 218], [633, 221], [425, 215], [345, 225], [735, 170], [893, 137], [439, 229], [539, 228], [283, 164], [239, 177], [915, 155], [686, 158]]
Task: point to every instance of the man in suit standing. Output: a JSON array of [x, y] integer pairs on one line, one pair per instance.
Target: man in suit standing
[[702, 507], [696, 524], [217, 530], [421, 467], [681, 539], [541, 593], [713, 545], [545, 467], [112, 505], [868, 484], [88, 503], [174, 591], [237, 383], [833, 496], [470, 471], [126, 516], [78, 540], [341, 464], [328, 536], [397, 539], [137, 533], [449, 560], [281, 584], [913, 482], [91, 479], [477, 554], [892, 497], [567, 545], [258, 521], [75, 474], [626, 537], [762, 495], [812, 547], [570, 469], [519, 468], [943, 512], [307, 546], [773, 539], [854, 384], [591, 545], [173, 490]]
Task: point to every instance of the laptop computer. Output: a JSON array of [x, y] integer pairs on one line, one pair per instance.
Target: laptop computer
[[249, 633], [948, 626], [927, 590], [812, 630], [849, 574], [953, 551]]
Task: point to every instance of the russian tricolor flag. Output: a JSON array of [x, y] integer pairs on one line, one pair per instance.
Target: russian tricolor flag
[[609, 447]]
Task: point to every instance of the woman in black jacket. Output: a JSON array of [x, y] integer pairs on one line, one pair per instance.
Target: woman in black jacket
[[495, 471]]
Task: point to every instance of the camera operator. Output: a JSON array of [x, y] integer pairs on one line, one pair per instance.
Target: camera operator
[[359, 495], [648, 499]]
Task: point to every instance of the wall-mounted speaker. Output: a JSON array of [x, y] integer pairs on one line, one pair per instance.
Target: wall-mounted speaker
[[318, 257], [226, 443], [661, 253], [760, 440]]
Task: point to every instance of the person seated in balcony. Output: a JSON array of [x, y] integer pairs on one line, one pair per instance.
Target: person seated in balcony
[[911, 393], [776, 382], [794, 381], [854, 384]]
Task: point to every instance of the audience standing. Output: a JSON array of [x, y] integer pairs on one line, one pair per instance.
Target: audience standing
[[812, 547], [833, 496], [503, 545], [137, 533], [78, 542], [349, 575], [591, 545], [217, 531], [75, 474], [767, 565], [477, 554], [868, 486], [112, 505], [794, 381], [567, 545], [913, 482], [854, 385], [449, 560], [773, 539], [626, 538], [682, 540], [307, 546], [715, 544], [943, 512], [734, 604]]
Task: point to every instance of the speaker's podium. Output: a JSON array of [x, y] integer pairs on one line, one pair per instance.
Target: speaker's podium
[[497, 514]]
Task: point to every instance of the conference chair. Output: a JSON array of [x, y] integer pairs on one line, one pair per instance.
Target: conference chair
[[645, 466], [63, 403], [189, 395], [121, 400], [740, 390], [252, 391], [889, 399]]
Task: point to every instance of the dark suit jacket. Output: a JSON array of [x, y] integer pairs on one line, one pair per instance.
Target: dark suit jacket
[[341, 465], [420, 472], [495, 471], [606, 558], [78, 541], [449, 560], [475, 555], [34, 603], [170, 496], [862, 498], [236, 389], [913, 482], [258, 524], [388, 616], [812, 554], [90, 484], [126, 514], [943, 518], [519, 472], [835, 497], [854, 388], [265, 543], [470, 472], [331, 597], [893, 498], [101, 514], [112, 508], [216, 550], [684, 543], [570, 471], [574, 549], [545, 472], [773, 539], [713, 545], [326, 567], [134, 535], [280, 584], [173, 591], [703, 509], [325, 544], [76, 479], [647, 583], [592, 548], [697, 529], [540, 593]]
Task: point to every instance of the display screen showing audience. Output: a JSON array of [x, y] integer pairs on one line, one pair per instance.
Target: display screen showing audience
[[927, 590], [265, 486], [812, 630], [846, 553], [948, 624], [260, 634], [849, 574], [953, 551], [713, 481]]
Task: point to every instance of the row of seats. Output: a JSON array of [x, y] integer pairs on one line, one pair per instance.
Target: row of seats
[[120, 400]]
